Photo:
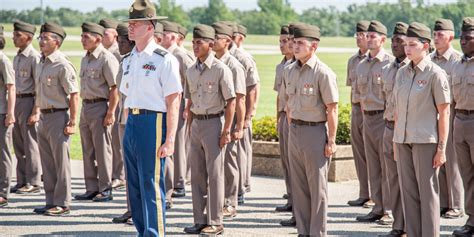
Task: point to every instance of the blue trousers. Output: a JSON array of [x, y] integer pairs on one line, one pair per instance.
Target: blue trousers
[[144, 134]]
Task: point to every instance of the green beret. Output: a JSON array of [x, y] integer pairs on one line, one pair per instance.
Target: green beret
[[53, 28], [108, 23], [143, 10], [284, 30], [24, 27], [122, 29], [362, 26], [223, 29], [400, 28], [170, 26], [1, 30], [306, 30], [377, 26], [468, 24], [159, 28], [89, 27], [419, 30], [241, 30], [444, 24], [182, 31], [203, 31]]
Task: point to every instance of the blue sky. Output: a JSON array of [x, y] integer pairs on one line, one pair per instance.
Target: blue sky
[[89, 5]]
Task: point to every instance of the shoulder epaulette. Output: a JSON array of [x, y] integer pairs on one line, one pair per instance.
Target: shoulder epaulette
[[160, 52]]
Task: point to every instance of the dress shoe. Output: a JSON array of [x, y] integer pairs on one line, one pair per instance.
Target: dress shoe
[[168, 205], [16, 187], [290, 222], [248, 189], [103, 197], [123, 218], [453, 214], [118, 184], [129, 222], [465, 231], [394, 233], [358, 202], [369, 204], [284, 208], [57, 211], [42, 210], [240, 199], [443, 211], [213, 230], [178, 192], [387, 219], [371, 217], [28, 189], [229, 212], [86, 196], [286, 196], [3, 202], [195, 229]]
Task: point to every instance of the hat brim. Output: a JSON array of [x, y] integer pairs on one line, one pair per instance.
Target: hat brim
[[147, 19]]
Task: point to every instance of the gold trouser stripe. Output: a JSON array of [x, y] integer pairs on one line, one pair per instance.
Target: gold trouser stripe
[[159, 207]]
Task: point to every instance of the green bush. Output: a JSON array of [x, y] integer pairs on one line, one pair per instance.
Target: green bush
[[265, 128]]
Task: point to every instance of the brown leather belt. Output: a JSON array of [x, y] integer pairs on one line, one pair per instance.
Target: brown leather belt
[[390, 124], [306, 123], [356, 104], [466, 112], [207, 116], [25, 95], [92, 101], [52, 110], [136, 111], [373, 112]]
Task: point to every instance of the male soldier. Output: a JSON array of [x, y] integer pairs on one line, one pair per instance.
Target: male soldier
[[389, 73], [110, 43], [369, 86], [125, 47], [25, 141], [231, 168], [462, 79], [99, 95], [357, 138], [151, 84], [282, 123], [57, 98], [178, 161], [7, 119], [450, 182], [210, 93], [312, 104], [158, 33]]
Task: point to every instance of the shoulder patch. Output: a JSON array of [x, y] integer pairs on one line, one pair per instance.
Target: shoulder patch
[[161, 52]]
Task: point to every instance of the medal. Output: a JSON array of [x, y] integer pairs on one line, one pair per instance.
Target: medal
[[305, 89], [311, 90]]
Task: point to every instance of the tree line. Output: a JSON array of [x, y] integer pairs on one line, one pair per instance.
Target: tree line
[[269, 15]]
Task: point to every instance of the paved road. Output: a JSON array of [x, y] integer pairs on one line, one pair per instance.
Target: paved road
[[255, 218]]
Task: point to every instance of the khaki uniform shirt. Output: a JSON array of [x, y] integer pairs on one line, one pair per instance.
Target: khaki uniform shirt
[[417, 92], [462, 79], [7, 77], [352, 76], [184, 60], [24, 64], [310, 87], [55, 80], [389, 72], [447, 61], [237, 73], [114, 49], [282, 97], [251, 75], [209, 85], [370, 82], [98, 73]]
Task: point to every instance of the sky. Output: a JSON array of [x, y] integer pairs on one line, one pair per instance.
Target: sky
[[89, 5]]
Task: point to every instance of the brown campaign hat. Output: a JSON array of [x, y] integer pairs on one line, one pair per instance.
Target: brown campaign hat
[[223, 29], [170, 26], [89, 27], [362, 26], [24, 27], [241, 30], [377, 26], [143, 10], [159, 28], [284, 30], [306, 30], [400, 28], [53, 28], [419, 30], [122, 29], [203, 31], [182, 31], [444, 24], [468, 24], [108, 23]]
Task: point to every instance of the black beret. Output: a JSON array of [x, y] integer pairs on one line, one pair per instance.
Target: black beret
[[306, 30], [400, 28], [23, 26], [53, 28], [204, 31], [222, 28], [419, 30], [444, 24], [362, 26], [108, 23]]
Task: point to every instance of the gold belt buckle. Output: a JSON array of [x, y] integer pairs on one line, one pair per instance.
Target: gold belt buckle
[[135, 111]]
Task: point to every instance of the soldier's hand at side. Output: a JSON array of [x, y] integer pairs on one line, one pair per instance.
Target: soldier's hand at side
[[185, 114], [225, 138], [109, 119], [237, 134], [9, 120], [439, 158], [70, 128], [330, 149], [247, 122], [34, 118], [167, 149]]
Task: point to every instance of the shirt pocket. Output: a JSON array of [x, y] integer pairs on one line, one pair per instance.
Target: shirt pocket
[[50, 85], [457, 86], [362, 84], [308, 95], [470, 84], [377, 86]]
